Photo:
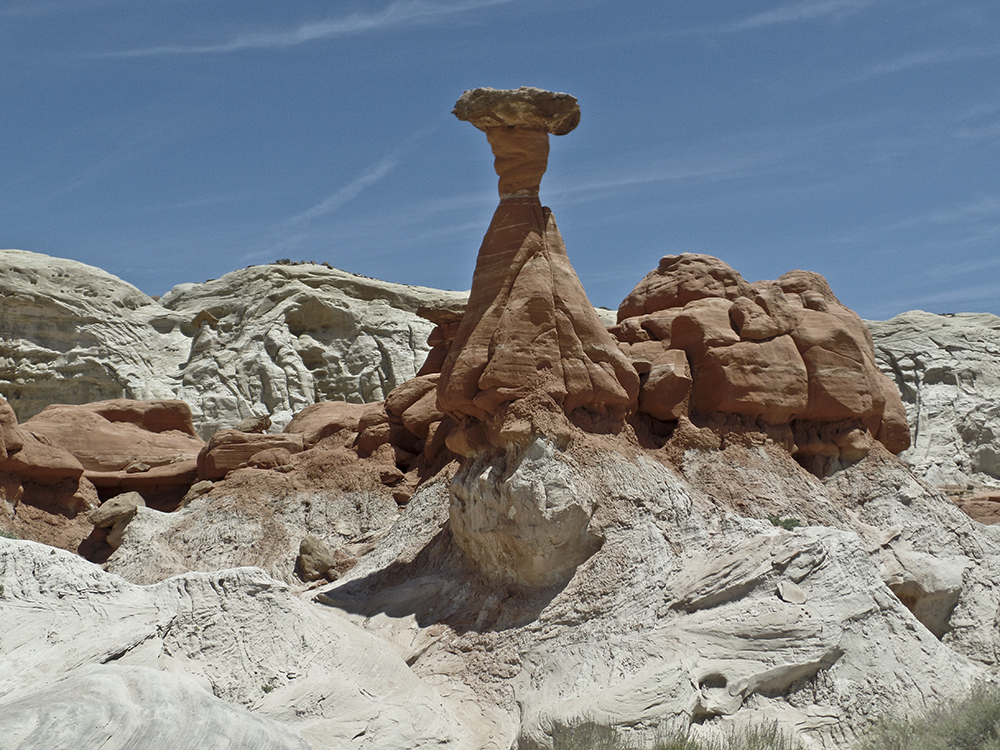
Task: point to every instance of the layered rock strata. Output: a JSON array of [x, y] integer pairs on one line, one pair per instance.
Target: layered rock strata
[[528, 326], [785, 354], [123, 445]]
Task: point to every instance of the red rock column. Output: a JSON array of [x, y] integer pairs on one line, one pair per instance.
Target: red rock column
[[529, 328]]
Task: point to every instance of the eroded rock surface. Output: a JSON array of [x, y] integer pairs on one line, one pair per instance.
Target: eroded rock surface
[[516, 551], [124, 445], [784, 353], [947, 368], [265, 340], [308, 676], [695, 609], [528, 326]]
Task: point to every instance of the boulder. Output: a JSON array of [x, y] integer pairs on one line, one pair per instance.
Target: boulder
[[228, 450], [119, 508], [38, 460], [108, 436], [680, 279], [11, 439], [125, 445], [764, 379], [325, 418], [316, 560], [665, 393], [785, 354]]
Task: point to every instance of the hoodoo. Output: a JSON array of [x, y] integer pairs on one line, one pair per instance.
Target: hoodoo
[[529, 329]]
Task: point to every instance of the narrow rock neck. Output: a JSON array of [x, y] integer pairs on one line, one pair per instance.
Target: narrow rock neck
[[521, 156]]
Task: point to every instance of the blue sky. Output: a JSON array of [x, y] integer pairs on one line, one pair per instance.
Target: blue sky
[[176, 140]]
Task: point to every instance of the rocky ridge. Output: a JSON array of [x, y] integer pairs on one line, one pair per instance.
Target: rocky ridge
[[263, 340]]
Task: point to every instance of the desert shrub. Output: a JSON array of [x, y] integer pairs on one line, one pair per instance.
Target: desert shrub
[[595, 737], [788, 524], [969, 724]]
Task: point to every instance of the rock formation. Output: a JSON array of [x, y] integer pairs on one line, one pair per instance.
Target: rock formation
[[785, 354], [262, 341], [149, 447], [528, 326], [43, 493], [547, 527], [947, 368], [141, 667]]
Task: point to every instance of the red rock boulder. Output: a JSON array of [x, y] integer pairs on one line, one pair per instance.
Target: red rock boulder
[[784, 353]]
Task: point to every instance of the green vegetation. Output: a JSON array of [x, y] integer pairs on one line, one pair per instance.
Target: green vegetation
[[788, 524], [594, 737], [8, 534], [969, 724]]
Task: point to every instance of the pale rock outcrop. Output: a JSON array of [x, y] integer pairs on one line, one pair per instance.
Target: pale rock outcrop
[[524, 518], [255, 518], [692, 612], [74, 639], [947, 368], [266, 339], [72, 333], [292, 335], [115, 707], [115, 514]]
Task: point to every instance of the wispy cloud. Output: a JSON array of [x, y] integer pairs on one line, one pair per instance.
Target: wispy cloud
[[127, 150], [38, 8], [809, 10], [695, 172], [396, 14], [371, 175], [796, 12], [374, 173], [925, 59]]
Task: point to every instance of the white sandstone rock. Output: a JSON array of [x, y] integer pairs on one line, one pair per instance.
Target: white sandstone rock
[[238, 530], [691, 614], [266, 339], [947, 369], [240, 635]]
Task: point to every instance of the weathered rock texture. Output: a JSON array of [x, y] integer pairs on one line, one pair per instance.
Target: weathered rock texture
[[947, 368], [528, 326], [149, 447], [263, 340], [695, 610], [577, 565], [43, 492], [785, 353], [87, 659]]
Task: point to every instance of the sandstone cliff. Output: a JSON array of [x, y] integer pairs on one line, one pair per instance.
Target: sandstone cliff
[[263, 340]]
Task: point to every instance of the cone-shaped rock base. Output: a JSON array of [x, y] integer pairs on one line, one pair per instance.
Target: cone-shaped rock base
[[529, 325]]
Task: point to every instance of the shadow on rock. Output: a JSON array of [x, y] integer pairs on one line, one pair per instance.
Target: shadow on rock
[[439, 585]]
